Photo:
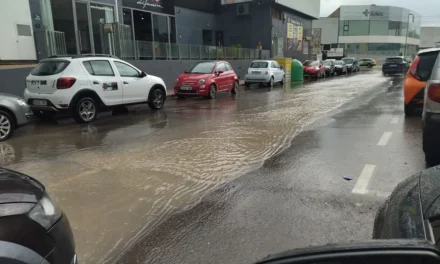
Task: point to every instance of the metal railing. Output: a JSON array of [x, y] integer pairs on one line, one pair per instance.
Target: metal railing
[[56, 43], [149, 50]]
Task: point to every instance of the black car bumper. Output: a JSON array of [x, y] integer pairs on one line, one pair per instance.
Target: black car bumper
[[394, 70], [64, 251]]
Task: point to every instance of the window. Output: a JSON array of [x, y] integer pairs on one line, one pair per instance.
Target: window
[[272, 65], [125, 70], [276, 65], [426, 63], [46, 68], [221, 67], [393, 60], [202, 67], [228, 67], [311, 63], [379, 28], [259, 64], [24, 30], [99, 68], [276, 14]]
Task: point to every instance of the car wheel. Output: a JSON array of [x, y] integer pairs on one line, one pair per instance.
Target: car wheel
[[7, 125], [157, 99], [409, 110], [235, 88], [270, 83], [85, 110], [44, 115], [247, 84], [212, 92]]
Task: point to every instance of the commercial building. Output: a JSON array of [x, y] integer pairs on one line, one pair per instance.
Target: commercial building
[[372, 30], [165, 29], [429, 37]]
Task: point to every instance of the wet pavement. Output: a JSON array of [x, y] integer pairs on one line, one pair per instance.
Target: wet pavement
[[228, 180]]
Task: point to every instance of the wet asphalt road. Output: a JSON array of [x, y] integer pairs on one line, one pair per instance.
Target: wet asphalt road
[[229, 180]]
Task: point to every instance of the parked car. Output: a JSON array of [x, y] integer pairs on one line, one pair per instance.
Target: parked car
[[329, 68], [30, 218], [313, 68], [352, 64], [14, 112], [414, 84], [85, 84], [370, 63], [207, 79], [431, 111], [264, 72], [412, 211], [341, 67], [395, 65]]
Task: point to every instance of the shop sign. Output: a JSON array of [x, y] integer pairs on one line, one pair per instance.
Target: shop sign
[[160, 6], [372, 13]]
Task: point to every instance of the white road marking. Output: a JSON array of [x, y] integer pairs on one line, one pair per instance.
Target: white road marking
[[384, 139], [395, 120], [364, 179]]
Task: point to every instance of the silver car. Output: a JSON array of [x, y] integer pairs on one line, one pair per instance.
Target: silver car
[[14, 112], [264, 72]]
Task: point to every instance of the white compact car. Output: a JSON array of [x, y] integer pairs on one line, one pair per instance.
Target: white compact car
[[264, 72], [85, 84]]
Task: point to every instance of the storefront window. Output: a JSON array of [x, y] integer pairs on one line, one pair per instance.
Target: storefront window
[[173, 37], [62, 12], [161, 38], [142, 26], [103, 40], [378, 28], [126, 13]]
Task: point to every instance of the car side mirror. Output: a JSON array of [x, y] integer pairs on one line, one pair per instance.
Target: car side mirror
[[220, 72], [281, 67], [375, 251], [142, 75]]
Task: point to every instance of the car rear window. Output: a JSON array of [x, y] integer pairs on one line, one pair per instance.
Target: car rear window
[[393, 60], [46, 68], [427, 61], [259, 64], [311, 63]]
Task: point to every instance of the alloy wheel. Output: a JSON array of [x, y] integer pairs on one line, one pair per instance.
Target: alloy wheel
[[5, 126], [158, 99], [87, 110]]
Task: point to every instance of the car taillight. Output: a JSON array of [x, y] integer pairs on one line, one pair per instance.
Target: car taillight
[[65, 82], [413, 69], [434, 92]]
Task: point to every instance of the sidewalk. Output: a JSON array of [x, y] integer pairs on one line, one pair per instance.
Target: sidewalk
[[170, 92]]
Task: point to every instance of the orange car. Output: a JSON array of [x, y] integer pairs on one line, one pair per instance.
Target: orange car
[[414, 88]]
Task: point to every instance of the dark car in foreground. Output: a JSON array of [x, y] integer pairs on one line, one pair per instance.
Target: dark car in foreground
[[412, 211], [30, 218], [329, 68], [352, 64], [395, 65], [341, 67]]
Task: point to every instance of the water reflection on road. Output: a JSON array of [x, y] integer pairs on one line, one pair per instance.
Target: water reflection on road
[[123, 175]]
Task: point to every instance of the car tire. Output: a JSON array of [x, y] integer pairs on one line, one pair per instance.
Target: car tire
[[409, 110], [212, 92], [270, 83], [247, 84], [235, 88], [86, 110], [157, 99], [44, 115], [7, 125]]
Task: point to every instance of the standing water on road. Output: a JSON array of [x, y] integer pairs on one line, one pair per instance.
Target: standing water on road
[[126, 184]]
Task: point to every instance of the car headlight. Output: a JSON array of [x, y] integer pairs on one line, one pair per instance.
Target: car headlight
[[202, 81], [46, 212], [21, 102]]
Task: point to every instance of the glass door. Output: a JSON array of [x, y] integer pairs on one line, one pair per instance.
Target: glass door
[[101, 18], [83, 28]]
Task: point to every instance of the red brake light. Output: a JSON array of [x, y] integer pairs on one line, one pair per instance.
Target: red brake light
[[434, 92], [413, 69], [65, 82]]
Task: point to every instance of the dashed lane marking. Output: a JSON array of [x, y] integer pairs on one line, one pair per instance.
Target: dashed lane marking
[[384, 139], [361, 186]]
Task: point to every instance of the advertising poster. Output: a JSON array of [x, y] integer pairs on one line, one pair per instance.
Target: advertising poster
[[316, 40], [299, 45], [290, 36]]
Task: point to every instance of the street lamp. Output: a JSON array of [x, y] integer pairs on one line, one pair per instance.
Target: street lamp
[[407, 32]]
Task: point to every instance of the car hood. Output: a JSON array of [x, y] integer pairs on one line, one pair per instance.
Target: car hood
[[194, 77], [19, 188]]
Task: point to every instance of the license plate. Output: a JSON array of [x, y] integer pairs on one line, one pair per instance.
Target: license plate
[[39, 102], [186, 88], [392, 65], [256, 72]]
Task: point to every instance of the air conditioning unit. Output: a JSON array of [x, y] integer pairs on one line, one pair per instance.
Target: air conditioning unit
[[243, 9]]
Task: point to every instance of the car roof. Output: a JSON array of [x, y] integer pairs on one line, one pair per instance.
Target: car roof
[[395, 57], [428, 50]]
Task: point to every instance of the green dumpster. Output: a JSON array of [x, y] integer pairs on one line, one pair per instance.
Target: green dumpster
[[297, 71]]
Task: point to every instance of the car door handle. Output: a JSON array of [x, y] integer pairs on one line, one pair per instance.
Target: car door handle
[[125, 82], [95, 82]]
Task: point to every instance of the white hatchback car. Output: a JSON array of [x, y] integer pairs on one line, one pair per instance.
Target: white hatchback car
[[264, 72], [84, 84]]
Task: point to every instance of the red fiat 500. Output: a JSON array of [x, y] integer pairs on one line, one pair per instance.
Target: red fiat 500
[[206, 79]]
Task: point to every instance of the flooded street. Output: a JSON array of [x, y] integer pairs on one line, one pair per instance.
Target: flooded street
[[122, 179]]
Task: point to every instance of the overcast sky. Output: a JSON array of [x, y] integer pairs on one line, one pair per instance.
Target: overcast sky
[[428, 9]]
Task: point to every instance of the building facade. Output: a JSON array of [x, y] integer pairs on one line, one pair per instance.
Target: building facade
[[374, 30]]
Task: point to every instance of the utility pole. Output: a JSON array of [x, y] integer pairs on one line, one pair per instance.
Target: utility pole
[[407, 33]]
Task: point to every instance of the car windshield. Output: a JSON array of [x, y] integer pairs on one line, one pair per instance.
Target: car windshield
[[202, 67], [348, 61], [46, 68], [364, 60], [327, 63], [259, 64], [393, 60], [339, 62], [311, 63]]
